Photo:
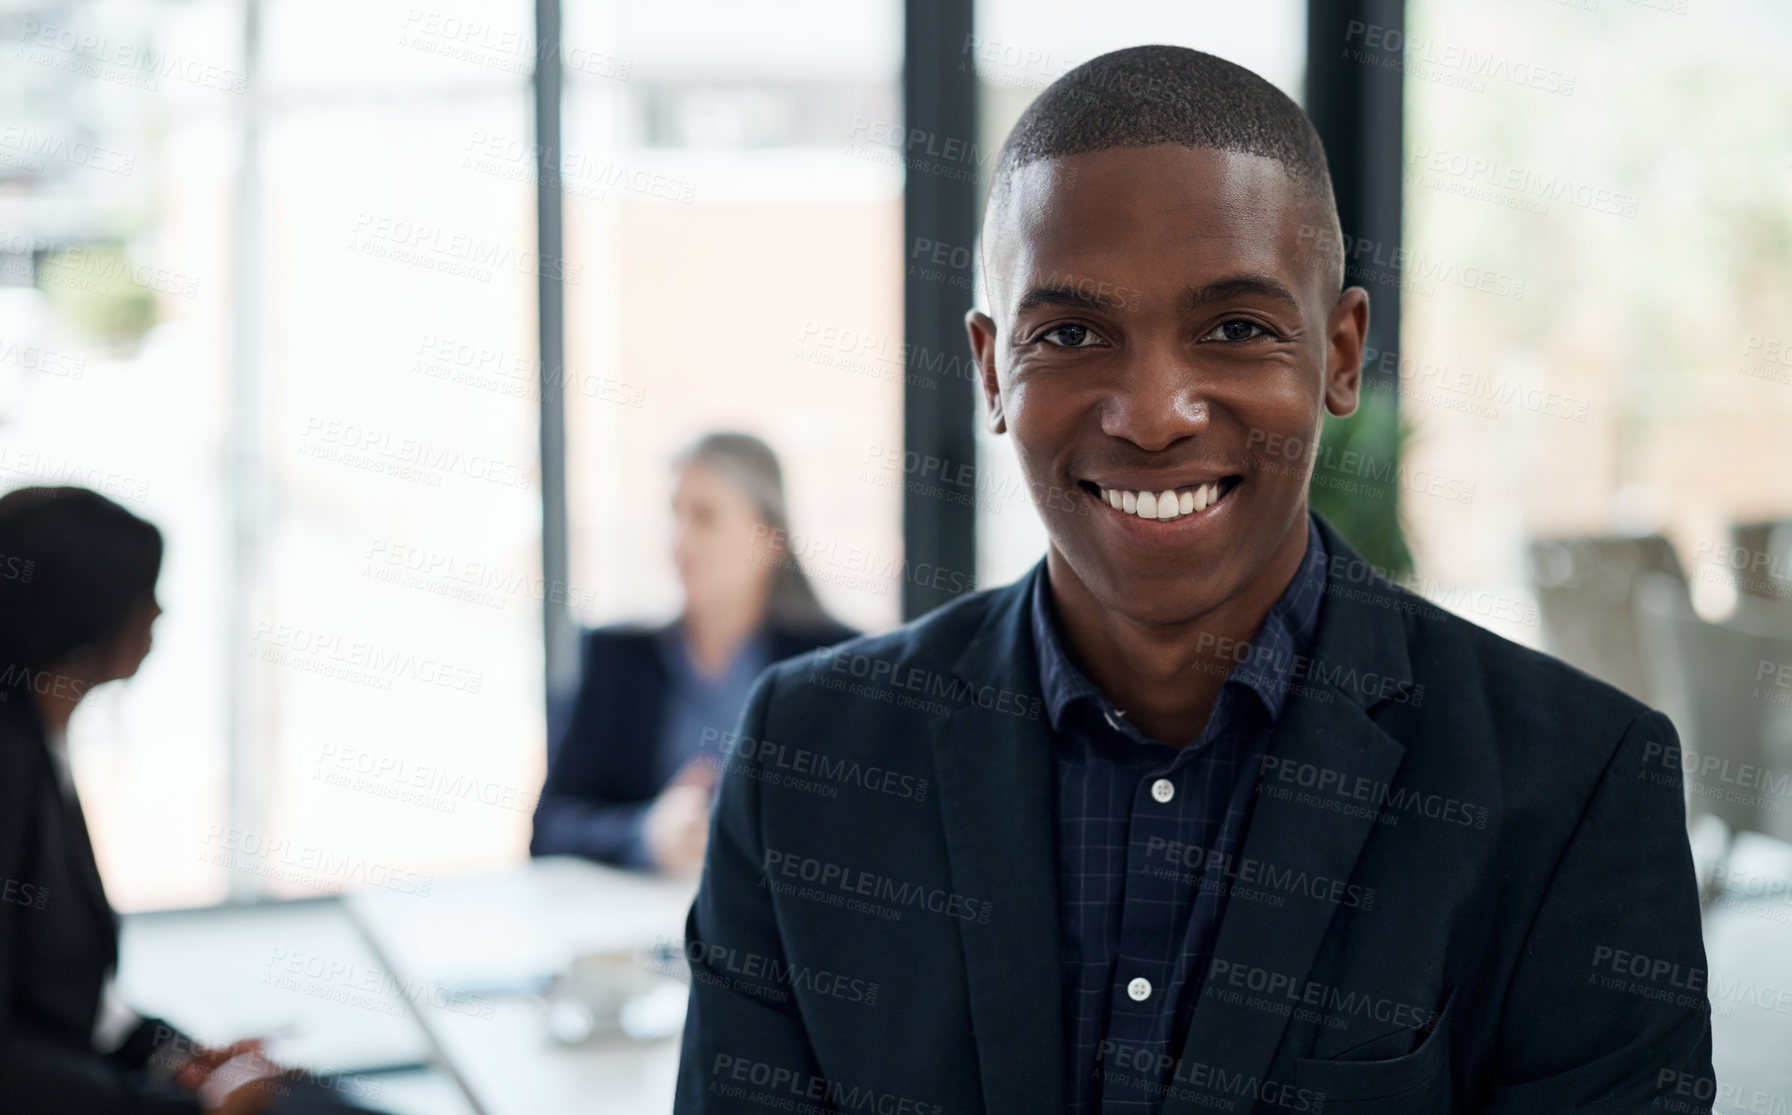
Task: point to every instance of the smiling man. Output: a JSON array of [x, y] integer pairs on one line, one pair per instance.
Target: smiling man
[[1201, 814]]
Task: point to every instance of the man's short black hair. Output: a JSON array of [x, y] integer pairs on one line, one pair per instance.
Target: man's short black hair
[[1146, 95]]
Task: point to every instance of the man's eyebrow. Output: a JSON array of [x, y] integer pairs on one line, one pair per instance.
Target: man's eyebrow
[[1093, 296], [1079, 296], [1239, 286]]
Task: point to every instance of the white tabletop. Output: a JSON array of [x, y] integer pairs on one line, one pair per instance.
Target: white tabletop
[[298, 973], [452, 978], [497, 939], [511, 928]]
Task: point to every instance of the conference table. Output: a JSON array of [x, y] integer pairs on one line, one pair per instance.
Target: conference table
[[437, 1004], [434, 1005]]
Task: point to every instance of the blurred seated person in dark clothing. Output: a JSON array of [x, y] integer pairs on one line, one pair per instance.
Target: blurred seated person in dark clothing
[[630, 779], [77, 598]]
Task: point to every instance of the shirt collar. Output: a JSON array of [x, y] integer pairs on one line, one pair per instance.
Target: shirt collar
[[1265, 668], [749, 658]]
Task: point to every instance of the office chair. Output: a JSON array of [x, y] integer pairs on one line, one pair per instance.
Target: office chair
[[1728, 689], [1586, 590], [1769, 577]]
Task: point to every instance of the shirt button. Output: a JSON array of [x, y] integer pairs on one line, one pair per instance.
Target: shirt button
[[1139, 989], [1163, 790]]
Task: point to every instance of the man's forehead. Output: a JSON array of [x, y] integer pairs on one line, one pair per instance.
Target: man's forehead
[[1123, 180], [1107, 208]]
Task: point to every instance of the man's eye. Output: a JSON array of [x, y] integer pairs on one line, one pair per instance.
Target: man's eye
[[1069, 336], [1238, 329]]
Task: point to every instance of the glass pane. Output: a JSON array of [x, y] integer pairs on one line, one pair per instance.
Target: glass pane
[[1596, 295], [343, 349], [398, 634], [740, 267], [117, 170]]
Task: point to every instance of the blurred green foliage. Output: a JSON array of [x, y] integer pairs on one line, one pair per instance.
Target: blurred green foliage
[[93, 287], [1355, 483]]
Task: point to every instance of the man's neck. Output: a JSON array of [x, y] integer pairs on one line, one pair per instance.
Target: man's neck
[[1167, 678]]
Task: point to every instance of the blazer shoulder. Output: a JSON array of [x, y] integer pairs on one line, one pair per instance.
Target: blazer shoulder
[[788, 641], [1481, 679], [615, 640], [631, 631], [932, 641], [1522, 692]]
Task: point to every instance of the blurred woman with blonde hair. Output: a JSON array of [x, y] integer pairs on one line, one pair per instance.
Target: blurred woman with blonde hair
[[630, 777]]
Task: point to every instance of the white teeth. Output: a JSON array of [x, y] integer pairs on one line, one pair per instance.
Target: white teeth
[[1164, 505]]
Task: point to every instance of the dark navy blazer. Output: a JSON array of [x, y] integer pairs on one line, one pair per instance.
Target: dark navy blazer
[[1459, 849], [58, 940], [603, 750]]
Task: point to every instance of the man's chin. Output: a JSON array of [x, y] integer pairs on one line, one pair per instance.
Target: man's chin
[[1161, 591], [1165, 610]]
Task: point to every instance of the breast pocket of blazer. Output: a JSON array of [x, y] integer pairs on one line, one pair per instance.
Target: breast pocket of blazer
[[1412, 1083]]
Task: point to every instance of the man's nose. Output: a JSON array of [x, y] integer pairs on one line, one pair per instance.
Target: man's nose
[[1158, 401]]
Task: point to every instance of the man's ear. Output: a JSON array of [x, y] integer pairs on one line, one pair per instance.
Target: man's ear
[[1345, 333], [982, 329]]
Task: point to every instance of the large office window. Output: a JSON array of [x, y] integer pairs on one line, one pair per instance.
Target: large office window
[[118, 169], [288, 293], [1595, 282], [270, 278], [396, 299], [733, 209]]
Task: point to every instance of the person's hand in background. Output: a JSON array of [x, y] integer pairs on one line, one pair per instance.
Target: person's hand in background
[[193, 1073], [247, 1084], [676, 828]]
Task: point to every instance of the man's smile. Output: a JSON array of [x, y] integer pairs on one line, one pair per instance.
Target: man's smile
[[1163, 512]]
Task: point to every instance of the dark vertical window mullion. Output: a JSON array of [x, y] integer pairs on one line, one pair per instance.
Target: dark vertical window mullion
[[1357, 105], [944, 170], [560, 643]]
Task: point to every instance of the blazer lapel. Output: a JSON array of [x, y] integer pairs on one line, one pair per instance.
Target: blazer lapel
[[995, 793], [1326, 739], [64, 830], [81, 861]]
